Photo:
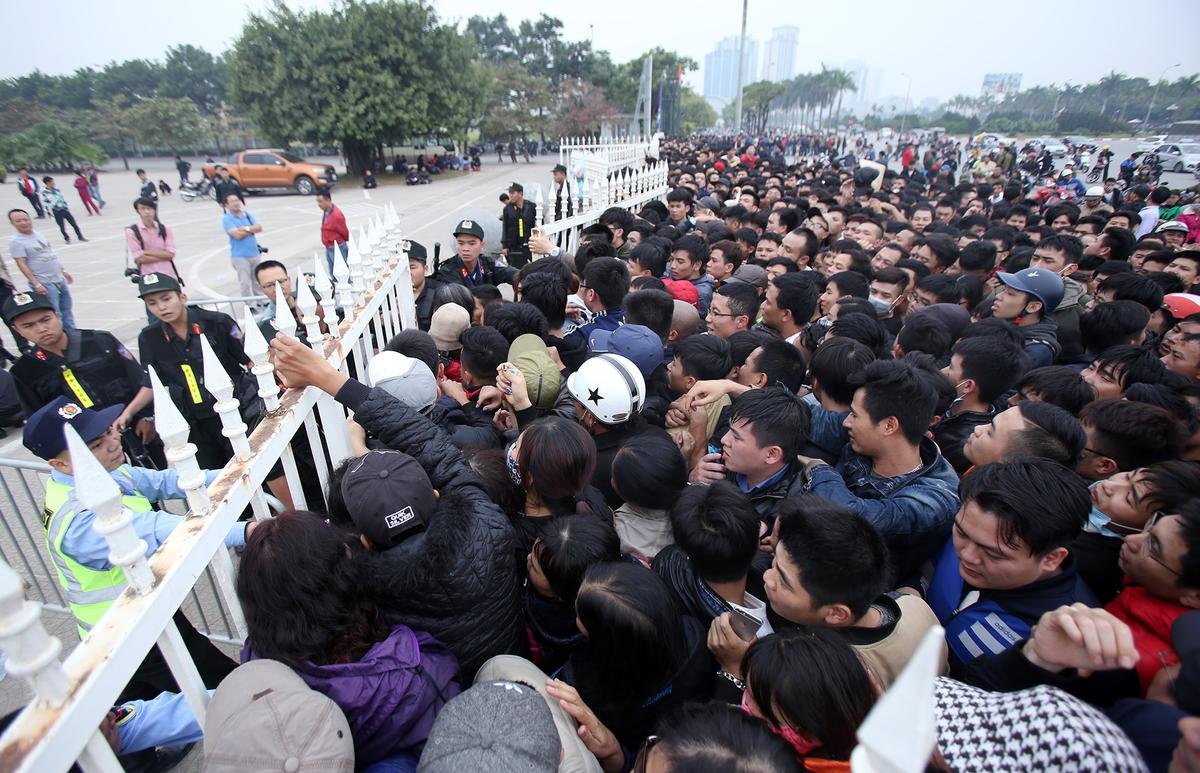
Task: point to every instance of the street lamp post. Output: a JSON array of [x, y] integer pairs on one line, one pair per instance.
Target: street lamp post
[[907, 94], [737, 117], [1154, 96]]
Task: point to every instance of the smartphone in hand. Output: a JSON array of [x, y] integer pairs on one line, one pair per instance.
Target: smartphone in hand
[[744, 624]]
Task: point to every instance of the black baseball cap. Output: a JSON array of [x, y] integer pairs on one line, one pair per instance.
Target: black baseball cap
[[469, 227], [156, 282], [389, 496], [415, 250], [23, 303], [43, 434]]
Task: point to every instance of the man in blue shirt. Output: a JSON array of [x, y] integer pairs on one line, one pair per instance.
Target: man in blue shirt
[[603, 287], [889, 471], [767, 429], [1009, 561], [243, 246], [81, 554]]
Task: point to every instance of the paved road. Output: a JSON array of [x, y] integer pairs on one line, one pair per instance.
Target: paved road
[[105, 299]]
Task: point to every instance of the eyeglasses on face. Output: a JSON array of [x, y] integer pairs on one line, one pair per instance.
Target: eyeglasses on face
[[1151, 545]]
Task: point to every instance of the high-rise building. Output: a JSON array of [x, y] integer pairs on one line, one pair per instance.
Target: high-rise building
[[721, 70], [866, 83], [779, 54]]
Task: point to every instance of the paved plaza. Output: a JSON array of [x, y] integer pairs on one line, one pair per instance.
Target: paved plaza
[[105, 298]]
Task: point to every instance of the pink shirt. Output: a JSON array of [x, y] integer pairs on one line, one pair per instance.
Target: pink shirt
[[153, 242]]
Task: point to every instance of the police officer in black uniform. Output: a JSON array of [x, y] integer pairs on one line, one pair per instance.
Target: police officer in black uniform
[[90, 367], [172, 346], [517, 219], [470, 266], [424, 286]]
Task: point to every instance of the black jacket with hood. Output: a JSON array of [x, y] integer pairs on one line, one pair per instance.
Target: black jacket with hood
[[459, 579]]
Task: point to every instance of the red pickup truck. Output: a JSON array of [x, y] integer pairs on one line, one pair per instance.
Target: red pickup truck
[[258, 169]]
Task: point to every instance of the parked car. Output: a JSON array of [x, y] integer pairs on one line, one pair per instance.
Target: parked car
[[1083, 144], [1178, 158], [1056, 148], [413, 150], [270, 168], [1147, 144]]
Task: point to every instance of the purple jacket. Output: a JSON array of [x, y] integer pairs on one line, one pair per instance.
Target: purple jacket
[[391, 696]]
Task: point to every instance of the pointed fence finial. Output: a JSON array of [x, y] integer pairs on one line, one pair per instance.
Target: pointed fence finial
[[900, 732], [98, 492]]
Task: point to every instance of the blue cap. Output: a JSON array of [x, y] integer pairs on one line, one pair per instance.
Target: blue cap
[[44, 434], [637, 343], [1041, 283]]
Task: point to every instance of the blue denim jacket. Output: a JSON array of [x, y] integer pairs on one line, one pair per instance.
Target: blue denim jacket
[[913, 512]]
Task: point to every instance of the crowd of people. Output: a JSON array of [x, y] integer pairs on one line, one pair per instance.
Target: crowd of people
[[693, 497]]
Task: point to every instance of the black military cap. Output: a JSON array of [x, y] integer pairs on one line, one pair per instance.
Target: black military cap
[[416, 250], [469, 227], [156, 283], [23, 303]]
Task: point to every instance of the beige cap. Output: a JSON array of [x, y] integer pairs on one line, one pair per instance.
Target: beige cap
[[264, 718]]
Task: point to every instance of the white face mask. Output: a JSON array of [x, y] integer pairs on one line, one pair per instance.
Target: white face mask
[[881, 306]]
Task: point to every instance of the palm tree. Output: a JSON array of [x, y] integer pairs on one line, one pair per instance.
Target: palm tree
[[823, 92], [961, 103], [1108, 86], [841, 82]]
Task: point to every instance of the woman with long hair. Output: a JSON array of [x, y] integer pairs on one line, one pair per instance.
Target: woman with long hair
[[642, 658], [552, 462], [567, 548], [301, 586]]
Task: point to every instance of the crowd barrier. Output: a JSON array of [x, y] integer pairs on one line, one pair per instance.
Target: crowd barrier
[[73, 695]]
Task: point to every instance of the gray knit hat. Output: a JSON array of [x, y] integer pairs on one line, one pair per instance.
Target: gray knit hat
[[499, 726]]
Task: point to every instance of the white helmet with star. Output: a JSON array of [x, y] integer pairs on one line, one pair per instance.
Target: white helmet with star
[[610, 387]]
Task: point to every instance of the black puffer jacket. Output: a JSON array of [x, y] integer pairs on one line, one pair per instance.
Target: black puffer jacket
[[459, 579], [467, 426]]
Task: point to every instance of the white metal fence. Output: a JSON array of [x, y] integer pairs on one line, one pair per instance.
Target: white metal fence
[[23, 547], [604, 185], [73, 695]]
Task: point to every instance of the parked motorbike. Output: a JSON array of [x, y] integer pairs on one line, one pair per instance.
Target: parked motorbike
[[190, 190], [1149, 171]]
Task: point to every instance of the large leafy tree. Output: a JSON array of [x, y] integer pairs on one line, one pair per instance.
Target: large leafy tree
[[134, 78], [193, 73], [361, 75], [539, 47], [48, 145], [694, 111], [163, 123], [581, 108], [518, 103], [756, 104], [111, 122]]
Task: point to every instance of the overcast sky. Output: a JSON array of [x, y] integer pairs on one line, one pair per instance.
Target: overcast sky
[[945, 45]]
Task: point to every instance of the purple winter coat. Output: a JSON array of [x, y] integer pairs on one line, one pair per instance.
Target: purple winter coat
[[391, 695]]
